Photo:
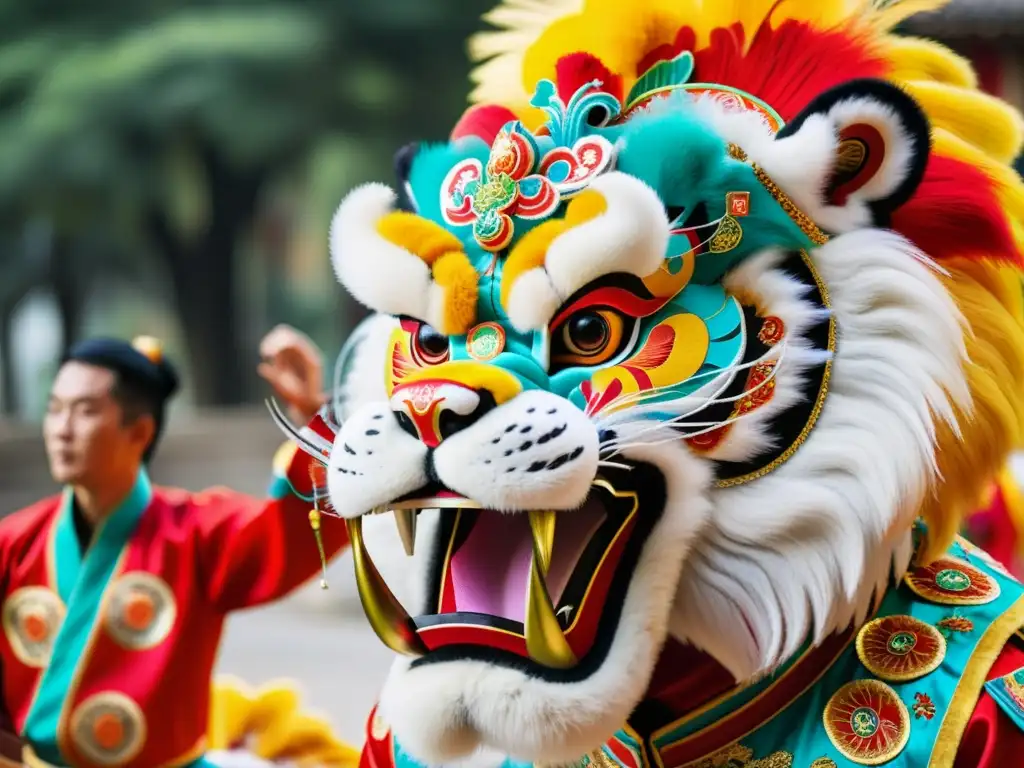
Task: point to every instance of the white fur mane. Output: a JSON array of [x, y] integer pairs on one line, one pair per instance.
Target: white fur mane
[[806, 548]]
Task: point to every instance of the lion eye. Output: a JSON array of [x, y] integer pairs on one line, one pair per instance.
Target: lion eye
[[430, 345], [589, 337], [587, 333]]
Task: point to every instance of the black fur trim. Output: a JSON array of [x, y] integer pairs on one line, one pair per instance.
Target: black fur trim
[[913, 121]]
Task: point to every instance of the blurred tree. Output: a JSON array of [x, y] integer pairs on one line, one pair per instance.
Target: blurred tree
[[162, 123]]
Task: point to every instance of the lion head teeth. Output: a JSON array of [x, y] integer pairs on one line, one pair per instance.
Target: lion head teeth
[[385, 614]]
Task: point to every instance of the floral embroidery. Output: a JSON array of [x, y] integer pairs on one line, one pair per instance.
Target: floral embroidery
[[923, 706], [955, 624]]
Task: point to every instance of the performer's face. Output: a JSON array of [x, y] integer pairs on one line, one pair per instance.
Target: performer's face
[[88, 440]]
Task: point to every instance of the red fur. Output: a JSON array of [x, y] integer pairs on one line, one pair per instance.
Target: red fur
[[576, 69], [785, 66], [955, 212], [483, 120]]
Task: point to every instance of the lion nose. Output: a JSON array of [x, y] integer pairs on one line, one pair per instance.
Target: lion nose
[[434, 411]]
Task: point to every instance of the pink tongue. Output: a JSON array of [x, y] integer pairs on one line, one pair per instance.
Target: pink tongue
[[491, 570]]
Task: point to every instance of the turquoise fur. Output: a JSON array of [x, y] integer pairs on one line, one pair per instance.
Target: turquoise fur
[[668, 146]]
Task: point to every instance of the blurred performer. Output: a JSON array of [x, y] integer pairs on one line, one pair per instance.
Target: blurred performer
[[114, 593]]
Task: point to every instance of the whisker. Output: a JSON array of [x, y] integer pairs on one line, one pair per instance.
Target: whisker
[[636, 397], [613, 464], [619, 446], [306, 439]]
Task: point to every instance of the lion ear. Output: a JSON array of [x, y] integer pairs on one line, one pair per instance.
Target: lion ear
[[878, 142]]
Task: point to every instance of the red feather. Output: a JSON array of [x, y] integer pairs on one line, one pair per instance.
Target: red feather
[[577, 69], [483, 120], [955, 212], [785, 66]]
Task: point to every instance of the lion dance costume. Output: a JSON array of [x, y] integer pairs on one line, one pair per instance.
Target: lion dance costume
[[703, 334]]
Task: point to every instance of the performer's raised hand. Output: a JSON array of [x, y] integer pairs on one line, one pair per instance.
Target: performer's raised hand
[[293, 366]]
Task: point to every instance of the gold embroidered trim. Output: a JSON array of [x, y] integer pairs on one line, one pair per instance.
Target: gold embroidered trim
[[968, 690], [819, 402], [900, 648], [801, 219]]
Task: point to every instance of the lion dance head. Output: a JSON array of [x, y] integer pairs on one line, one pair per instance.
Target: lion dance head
[[703, 323]]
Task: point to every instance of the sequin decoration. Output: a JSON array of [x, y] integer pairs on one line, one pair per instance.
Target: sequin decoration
[[923, 706], [866, 721], [952, 581], [823, 762], [900, 648]]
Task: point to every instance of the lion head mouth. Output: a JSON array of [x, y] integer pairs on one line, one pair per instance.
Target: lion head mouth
[[540, 588]]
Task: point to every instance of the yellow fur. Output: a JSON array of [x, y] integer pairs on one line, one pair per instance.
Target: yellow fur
[[271, 725], [989, 297], [456, 275], [528, 254], [915, 59], [979, 119], [510, 61], [419, 236], [533, 248]]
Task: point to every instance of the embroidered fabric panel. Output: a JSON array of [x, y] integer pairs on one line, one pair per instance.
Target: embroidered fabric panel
[[1008, 691], [891, 695], [623, 750]]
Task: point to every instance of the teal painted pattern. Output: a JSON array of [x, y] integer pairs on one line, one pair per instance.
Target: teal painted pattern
[[86, 579]]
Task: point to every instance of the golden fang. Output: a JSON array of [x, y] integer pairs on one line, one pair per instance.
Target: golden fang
[[545, 641], [385, 614]]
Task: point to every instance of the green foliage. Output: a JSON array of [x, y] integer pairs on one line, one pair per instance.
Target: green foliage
[[150, 129]]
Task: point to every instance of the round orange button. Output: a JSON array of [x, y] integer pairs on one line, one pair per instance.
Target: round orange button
[[139, 611], [36, 627], [108, 731]]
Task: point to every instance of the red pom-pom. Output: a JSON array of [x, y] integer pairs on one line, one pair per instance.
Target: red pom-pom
[[484, 121], [577, 69]]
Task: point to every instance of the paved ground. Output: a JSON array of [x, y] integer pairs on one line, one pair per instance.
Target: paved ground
[[321, 640]]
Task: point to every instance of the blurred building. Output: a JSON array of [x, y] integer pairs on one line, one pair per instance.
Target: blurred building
[[988, 32]]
